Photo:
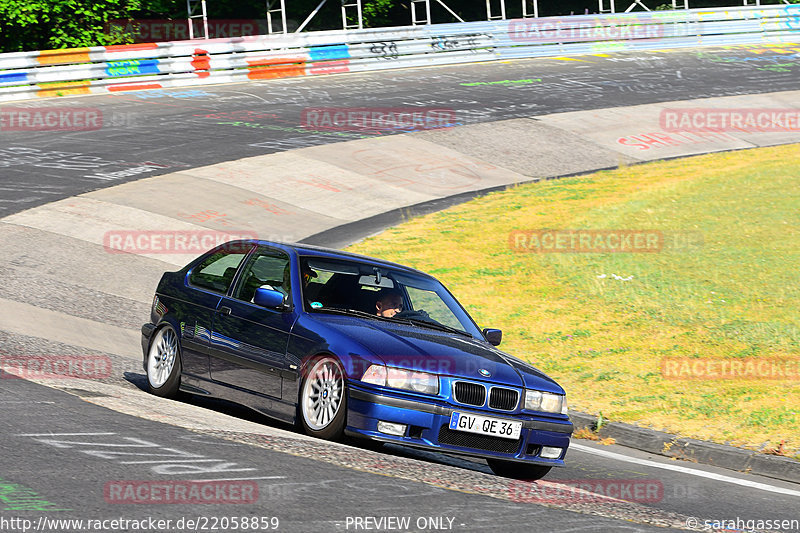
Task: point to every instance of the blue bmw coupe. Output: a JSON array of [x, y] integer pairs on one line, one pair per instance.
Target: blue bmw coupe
[[343, 344]]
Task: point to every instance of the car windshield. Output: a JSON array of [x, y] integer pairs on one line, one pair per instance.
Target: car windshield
[[381, 293]]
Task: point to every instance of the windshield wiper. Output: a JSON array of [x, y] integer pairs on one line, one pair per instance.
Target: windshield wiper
[[406, 320], [345, 311], [432, 325]]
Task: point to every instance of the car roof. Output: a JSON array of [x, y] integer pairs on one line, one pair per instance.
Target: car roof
[[310, 250]]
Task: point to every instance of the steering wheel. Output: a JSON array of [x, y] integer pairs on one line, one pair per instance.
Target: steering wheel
[[419, 314]]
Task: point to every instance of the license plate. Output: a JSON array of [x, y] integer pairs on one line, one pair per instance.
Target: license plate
[[484, 425]]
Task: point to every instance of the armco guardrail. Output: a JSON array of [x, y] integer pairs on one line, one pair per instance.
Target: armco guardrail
[[74, 71]]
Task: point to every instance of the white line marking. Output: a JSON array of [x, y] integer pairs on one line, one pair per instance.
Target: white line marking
[[168, 461], [685, 470], [60, 434], [25, 401], [239, 478]]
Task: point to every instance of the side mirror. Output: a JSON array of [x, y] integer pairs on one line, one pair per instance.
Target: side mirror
[[268, 298], [493, 336]]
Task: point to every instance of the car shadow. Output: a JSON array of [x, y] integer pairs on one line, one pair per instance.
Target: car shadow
[[214, 404], [244, 413]]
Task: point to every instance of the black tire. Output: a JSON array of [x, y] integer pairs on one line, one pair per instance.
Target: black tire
[[164, 363], [517, 470], [322, 406]]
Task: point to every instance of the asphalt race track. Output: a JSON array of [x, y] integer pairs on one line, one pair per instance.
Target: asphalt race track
[[192, 127], [68, 445]]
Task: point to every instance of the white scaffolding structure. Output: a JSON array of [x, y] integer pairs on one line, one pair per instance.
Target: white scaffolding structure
[[352, 12], [192, 7], [525, 13], [421, 10], [353, 5], [425, 5], [501, 16], [636, 3], [601, 8], [416, 20], [276, 8], [675, 5]]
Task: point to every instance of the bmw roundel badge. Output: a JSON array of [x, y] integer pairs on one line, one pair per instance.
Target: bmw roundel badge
[[483, 372]]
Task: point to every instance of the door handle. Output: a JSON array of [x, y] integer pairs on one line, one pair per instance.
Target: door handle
[[225, 310]]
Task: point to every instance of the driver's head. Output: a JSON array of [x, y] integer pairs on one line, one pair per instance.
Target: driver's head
[[307, 273], [389, 303]]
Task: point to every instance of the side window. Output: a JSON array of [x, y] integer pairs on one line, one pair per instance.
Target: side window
[[216, 272], [267, 268], [430, 302], [316, 284]]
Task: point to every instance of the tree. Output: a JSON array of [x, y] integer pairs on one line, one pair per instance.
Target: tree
[[49, 24]]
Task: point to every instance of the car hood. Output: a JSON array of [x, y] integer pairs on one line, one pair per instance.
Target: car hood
[[448, 354]]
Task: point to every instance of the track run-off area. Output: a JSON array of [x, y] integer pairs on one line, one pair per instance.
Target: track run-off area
[[246, 159]]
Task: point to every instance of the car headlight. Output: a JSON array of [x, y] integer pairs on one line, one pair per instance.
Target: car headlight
[[545, 401], [398, 378], [375, 374]]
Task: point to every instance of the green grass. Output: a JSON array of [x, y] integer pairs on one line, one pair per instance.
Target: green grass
[[730, 293]]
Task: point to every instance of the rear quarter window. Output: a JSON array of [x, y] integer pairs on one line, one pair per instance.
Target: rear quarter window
[[216, 272]]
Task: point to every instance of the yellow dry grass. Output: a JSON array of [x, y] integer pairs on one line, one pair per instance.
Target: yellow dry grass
[[732, 295]]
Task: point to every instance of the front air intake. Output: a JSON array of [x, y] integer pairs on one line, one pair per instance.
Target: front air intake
[[470, 393]]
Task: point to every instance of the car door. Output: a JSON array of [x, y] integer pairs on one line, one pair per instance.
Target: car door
[[209, 281], [248, 342]]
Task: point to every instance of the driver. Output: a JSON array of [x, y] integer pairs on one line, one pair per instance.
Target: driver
[[389, 303], [307, 274]]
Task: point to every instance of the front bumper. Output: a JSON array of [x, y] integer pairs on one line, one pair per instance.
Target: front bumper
[[427, 427]]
